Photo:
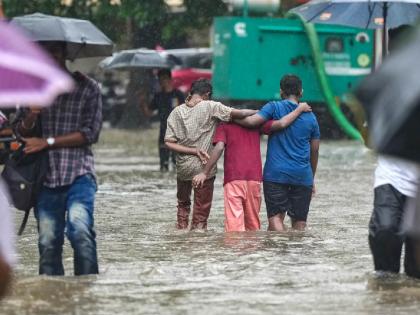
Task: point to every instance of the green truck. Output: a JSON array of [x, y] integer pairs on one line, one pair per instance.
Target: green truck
[[251, 54]]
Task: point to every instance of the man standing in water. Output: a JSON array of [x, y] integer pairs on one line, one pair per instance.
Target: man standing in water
[[66, 201], [396, 185], [164, 102], [292, 159], [396, 182]]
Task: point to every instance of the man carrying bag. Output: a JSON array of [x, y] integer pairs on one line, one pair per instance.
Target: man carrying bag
[[65, 203]]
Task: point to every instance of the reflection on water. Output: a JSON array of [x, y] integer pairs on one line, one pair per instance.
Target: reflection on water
[[149, 267]]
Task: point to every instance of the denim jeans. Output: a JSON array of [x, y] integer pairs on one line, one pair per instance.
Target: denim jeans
[[67, 209]]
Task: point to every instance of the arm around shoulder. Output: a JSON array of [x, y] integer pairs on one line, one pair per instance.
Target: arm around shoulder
[[252, 121], [287, 120]]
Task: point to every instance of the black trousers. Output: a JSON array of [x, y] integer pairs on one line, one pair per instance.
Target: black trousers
[[164, 153], [385, 238]]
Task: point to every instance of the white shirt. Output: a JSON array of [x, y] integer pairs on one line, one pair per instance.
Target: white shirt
[[402, 175], [7, 232]]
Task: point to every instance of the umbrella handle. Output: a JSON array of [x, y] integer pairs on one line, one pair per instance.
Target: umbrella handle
[[384, 30], [83, 45]]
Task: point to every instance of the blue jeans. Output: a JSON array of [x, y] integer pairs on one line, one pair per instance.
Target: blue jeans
[[69, 209]]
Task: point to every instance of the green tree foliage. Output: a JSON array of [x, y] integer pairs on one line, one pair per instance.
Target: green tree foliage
[[133, 23]]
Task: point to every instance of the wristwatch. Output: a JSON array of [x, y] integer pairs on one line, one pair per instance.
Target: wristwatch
[[50, 141]]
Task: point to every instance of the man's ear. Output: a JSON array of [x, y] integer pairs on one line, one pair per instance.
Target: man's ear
[[301, 93]]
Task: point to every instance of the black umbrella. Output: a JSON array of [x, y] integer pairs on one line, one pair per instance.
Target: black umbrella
[[82, 38], [383, 14], [136, 58], [391, 97]]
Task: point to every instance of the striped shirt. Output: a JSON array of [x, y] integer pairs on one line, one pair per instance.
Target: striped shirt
[[194, 126], [78, 111]]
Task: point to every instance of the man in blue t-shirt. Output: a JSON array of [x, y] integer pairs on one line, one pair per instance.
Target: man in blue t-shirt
[[292, 158]]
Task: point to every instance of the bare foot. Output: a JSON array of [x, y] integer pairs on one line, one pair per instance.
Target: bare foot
[[298, 225], [276, 223]]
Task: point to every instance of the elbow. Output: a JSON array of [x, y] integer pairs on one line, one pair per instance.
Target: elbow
[[89, 137], [281, 126], [277, 126], [314, 152], [244, 115], [91, 140]]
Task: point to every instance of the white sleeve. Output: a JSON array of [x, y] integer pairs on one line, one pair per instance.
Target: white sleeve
[[7, 231]]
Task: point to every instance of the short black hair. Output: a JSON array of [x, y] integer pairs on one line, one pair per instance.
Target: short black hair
[[164, 73], [201, 87], [291, 84]]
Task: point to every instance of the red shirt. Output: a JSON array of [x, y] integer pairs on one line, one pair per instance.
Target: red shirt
[[242, 151]]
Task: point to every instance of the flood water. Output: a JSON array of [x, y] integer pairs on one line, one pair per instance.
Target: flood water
[[148, 267]]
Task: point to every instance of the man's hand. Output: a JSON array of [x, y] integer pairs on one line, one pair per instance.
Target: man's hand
[[33, 145], [199, 180], [304, 107], [202, 155]]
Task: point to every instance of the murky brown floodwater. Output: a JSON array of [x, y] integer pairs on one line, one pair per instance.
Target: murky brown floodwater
[[148, 267]]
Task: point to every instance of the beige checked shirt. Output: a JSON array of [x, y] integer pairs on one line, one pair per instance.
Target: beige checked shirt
[[194, 127]]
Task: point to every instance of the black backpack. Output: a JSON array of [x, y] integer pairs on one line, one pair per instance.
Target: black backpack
[[25, 175]]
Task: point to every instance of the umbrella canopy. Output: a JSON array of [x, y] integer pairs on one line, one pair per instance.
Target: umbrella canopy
[[382, 14], [391, 97], [361, 13], [136, 58], [27, 75], [82, 38]]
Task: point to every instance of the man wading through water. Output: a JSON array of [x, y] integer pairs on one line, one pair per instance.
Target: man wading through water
[[292, 159], [164, 102], [66, 201]]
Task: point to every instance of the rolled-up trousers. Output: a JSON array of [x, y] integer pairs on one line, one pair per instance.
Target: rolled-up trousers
[[203, 197]]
